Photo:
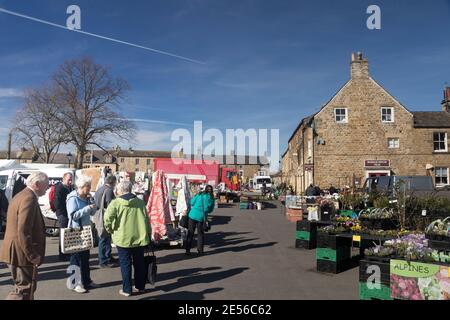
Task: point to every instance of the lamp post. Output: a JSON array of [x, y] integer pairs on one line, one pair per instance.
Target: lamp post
[[69, 157]]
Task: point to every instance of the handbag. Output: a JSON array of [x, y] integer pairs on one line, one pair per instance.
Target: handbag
[[76, 239], [150, 265], [184, 221], [206, 225]]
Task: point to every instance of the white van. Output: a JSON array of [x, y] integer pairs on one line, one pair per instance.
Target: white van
[[257, 182], [14, 177]]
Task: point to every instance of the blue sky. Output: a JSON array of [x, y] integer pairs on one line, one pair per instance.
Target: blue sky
[[267, 63]]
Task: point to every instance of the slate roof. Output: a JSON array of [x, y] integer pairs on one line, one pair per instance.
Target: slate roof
[[430, 119]]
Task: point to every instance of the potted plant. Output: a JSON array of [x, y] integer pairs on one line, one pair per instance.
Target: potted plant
[[439, 230]]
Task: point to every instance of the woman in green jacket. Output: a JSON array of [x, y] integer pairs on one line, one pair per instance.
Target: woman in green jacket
[[126, 220], [201, 205]]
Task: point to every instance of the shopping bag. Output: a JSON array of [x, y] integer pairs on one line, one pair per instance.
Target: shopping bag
[[151, 268], [76, 239]]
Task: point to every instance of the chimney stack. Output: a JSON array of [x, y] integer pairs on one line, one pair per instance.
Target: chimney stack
[[446, 101], [359, 66]]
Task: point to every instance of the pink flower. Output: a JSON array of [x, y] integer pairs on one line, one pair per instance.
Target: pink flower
[[416, 296]]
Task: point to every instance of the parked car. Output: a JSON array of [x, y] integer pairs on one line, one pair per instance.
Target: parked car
[[420, 186]]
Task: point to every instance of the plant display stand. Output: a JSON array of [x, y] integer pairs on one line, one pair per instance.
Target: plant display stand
[[438, 242]]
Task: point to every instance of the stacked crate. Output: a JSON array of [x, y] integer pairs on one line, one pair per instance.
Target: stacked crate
[[243, 203], [374, 279], [306, 234], [334, 253]]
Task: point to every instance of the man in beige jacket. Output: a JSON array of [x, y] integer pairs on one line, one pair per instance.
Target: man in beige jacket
[[24, 243]]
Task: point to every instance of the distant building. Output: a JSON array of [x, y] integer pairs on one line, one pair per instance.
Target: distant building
[[23, 156], [143, 161]]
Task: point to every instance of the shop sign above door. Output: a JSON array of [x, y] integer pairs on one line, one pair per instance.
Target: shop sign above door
[[377, 163]]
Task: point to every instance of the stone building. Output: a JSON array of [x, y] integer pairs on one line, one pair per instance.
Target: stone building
[[22, 156], [138, 160], [364, 131]]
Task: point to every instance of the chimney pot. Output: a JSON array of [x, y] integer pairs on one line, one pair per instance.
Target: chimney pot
[[359, 68], [446, 101]]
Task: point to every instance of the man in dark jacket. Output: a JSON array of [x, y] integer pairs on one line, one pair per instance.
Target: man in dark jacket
[[62, 189], [106, 192]]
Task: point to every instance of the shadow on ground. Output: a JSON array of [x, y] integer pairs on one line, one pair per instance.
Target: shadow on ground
[[184, 295], [270, 205], [167, 276], [220, 220], [211, 242]]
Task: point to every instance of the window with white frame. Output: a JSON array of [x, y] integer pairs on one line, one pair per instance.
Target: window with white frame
[[387, 114], [441, 176], [440, 141], [340, 115], [394, 143]]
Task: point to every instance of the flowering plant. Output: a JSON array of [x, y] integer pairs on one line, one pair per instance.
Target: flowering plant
[[413, 247], [405, 288], [343, 225]]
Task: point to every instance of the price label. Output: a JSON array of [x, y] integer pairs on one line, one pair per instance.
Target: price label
[[326, 212], [357, 238], [424, 213]]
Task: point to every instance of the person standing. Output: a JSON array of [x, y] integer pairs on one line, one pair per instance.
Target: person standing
[[201, 205], [3, 208], [62, 190], [79, 210], [264, 188], [24, 244], [310, 191], [105, 193], [126, 219]]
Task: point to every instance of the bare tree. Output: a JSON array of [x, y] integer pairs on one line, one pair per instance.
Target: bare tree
[[89, 99], [37, 126]]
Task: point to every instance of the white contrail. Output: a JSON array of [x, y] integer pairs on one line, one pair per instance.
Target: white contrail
[[99, 36], [158, 122]]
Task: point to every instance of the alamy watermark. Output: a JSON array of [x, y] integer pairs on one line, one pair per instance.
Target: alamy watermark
[[249, 146], [74, 279], [74, 20], [374, 20]]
